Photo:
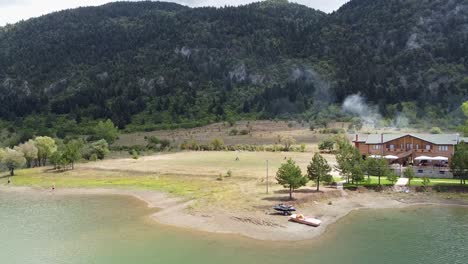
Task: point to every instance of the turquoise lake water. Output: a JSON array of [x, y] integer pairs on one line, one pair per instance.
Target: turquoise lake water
[[47, 229]]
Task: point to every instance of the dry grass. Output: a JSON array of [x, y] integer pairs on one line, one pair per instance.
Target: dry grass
[[251, 165], [261, 133], [189, 174]]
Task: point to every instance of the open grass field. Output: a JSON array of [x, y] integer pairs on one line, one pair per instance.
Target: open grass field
[[251, 165], [193, 175]]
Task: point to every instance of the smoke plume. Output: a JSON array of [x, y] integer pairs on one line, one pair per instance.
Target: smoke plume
[[355, 104]]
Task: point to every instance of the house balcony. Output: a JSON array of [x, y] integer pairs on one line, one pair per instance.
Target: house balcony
[[397, 150]]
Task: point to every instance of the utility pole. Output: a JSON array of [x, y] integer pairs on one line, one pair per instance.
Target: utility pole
[[267, 176]]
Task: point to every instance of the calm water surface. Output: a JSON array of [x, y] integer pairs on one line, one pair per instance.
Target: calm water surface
[[47, 229]]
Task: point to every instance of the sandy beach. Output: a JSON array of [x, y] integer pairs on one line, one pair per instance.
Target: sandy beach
[[255, 224]]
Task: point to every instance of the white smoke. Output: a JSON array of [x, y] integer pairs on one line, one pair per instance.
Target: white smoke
[[369, 114], [355, 104]]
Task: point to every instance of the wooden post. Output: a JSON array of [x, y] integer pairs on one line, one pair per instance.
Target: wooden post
[[267, 177]]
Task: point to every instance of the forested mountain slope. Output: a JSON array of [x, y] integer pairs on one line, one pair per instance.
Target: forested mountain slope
[[144, 64]]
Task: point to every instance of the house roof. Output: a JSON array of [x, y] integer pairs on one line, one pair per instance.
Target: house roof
[[437, 139], [464, 139]]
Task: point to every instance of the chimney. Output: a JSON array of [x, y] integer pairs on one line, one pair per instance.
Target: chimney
[[382, 146], [357, 137]]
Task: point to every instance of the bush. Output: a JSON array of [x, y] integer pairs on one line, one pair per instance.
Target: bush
[[303, 147], [190, 145], [229, 174], [93, 157], [327, 145], [425, 183], [154, 143], [244, 132], [135, 154], [217, 144], [332, 131], [220, 177], [436, 130], [99, 148], [233, 132]]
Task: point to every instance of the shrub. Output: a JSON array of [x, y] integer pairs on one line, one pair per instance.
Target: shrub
[[157, 144], [190, 145], [233, 132], [327, 145], [425, 183], [220, 177], [436, 130], [244, 132], [303, 147], [135, 154], [93, 157], [217, 143], [229, 174]]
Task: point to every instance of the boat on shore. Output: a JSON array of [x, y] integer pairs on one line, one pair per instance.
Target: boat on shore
[[299, 218], [284, 209]]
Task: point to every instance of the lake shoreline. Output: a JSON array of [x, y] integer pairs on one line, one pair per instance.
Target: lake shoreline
[[263, 226]]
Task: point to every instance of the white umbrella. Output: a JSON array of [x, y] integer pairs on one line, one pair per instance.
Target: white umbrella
[[391, 157], [375, 156], [439, 158], [423, 158]]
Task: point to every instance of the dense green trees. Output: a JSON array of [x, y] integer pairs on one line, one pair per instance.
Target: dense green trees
[[106, 130], [319, 170], [459, 164], [46, 146], [96, 150], [151, 65], [377, 167], [350, 162], [30, 152]]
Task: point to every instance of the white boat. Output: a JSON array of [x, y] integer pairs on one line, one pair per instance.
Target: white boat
[[298, 218]]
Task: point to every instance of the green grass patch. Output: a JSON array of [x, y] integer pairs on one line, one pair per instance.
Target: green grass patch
[[173, 184]]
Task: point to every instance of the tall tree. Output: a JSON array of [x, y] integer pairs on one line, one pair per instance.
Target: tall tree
[[72, 152], [459, 163], [409, 174], [377, 167], [13, 159], [319, 170], [106, 130], [29, 150], [348, 158], [465, 111], [290, 176], [45, 146], [357, 172]]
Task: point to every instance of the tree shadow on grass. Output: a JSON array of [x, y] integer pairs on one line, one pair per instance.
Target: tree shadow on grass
[[279, 199], [6, 176]]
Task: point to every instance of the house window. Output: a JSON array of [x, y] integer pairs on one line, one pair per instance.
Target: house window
[[376, 147], [401, 146], [428, 147], [443, 148], [409, 146], [392, 147], [417, 146]]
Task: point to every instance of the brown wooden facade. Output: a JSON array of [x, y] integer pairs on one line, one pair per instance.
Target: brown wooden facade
[[406, 148]]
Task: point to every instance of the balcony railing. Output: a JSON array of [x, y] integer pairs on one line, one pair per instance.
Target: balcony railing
[[404, 150]]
